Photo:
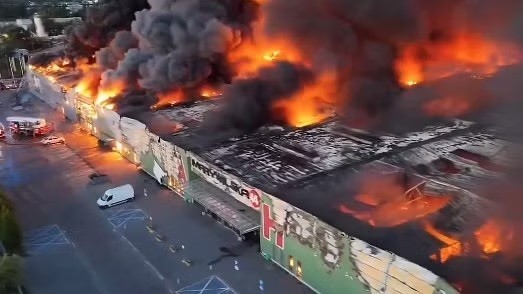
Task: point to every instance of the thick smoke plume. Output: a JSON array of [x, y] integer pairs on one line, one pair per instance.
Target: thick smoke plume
[[182, 45], [101, 24], [248, 103], [368, 44]]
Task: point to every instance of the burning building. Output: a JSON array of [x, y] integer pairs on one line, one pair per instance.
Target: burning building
[[348, 144]]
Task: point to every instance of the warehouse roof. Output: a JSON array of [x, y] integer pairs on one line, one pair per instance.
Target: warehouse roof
[[446, 167], [168, 123], [277, 159]]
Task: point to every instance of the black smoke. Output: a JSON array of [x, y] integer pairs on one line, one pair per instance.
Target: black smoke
[[247, 103], [45, 59], [361, 41], [100, 26], [182, 45], [107, 58]]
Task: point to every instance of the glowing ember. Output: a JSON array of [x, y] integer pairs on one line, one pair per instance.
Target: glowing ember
[[169, 98], [209, 92], [447, 107], [491, 237], [390, 205], [453, 248]]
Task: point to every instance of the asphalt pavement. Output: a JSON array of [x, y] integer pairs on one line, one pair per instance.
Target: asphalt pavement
[[73, 247]]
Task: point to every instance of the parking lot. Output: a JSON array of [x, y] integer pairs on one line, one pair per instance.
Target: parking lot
[[137, 247]]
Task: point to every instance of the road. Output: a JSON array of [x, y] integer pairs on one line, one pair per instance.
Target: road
[[73, 247]]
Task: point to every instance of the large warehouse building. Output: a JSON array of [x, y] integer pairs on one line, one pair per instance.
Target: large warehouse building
[[295, 189]]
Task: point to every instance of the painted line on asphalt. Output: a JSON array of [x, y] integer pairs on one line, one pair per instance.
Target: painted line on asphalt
[[96, 279], [146, 261], [119, 218]]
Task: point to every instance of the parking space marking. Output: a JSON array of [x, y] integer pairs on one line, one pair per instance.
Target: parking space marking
[[209, 285], [42, 238], [121, 217]]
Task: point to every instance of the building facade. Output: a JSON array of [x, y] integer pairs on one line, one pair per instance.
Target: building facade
[[330, 261], [319, 255]]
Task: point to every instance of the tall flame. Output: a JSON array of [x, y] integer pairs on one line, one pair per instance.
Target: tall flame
[[465, 53], [492, 237], [110, 90]]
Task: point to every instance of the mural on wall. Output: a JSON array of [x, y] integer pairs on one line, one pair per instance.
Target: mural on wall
[[295, 223], [376, 270], [165, 162], [108, 123], [134, 135], [229, 184]]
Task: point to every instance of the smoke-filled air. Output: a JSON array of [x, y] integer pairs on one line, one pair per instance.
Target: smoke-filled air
[[382, 66]]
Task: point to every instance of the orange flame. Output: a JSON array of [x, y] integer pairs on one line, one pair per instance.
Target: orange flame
[[448, 106], [410, 70], [209, 92], [88, 85], [304, 108], [110, 90], [465, 53], [453, 248], [56, 67], [492, 237], [391, 206], [311, 105], [169, 98]]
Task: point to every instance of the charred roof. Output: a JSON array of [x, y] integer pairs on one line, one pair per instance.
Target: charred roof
[[279, 159], [447, 168], [169, 123]]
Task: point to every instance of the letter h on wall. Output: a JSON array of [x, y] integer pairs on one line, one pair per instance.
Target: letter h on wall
[[270, 225]]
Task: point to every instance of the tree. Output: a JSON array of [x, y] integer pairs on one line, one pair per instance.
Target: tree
[[10, 233], [13, 9], [10, 274], [53, 28], [13, 37], [56, 10]]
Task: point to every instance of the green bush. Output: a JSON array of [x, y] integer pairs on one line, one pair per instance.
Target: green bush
[[10, 233], [10, 274]]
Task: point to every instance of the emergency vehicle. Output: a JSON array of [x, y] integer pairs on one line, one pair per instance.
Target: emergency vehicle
[[29, 126]]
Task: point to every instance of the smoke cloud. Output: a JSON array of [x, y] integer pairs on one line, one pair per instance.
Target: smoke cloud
[[247, 102], [361, 41], [101, 25], [182, 45], [108, 57]]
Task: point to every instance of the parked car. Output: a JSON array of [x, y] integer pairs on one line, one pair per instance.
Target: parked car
[[98, 178], [116, 196], [53, 140]]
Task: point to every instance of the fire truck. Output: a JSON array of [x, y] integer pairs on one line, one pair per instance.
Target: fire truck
[[29, 126]]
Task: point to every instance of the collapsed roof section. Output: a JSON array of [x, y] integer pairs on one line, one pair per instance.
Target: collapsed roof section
[[279, 159]]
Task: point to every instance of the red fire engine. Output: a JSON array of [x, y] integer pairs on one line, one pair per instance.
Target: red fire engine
[[29, 126]]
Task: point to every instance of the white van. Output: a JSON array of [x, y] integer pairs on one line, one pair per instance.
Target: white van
[[116, 196]]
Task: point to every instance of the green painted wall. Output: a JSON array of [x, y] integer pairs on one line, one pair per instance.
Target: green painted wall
[[314, 271], [333, 263]]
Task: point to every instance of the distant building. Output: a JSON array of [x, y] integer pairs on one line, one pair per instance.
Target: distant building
[[7, 23], [24, 23]]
